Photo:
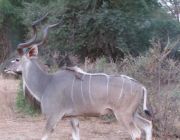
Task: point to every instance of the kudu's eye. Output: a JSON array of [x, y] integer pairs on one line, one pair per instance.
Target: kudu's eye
[[17, 59]]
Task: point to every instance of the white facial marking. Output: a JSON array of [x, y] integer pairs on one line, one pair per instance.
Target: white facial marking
[[10, 72], [19, 68]]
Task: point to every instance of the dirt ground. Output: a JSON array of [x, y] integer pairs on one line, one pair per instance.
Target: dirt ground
[[15, 126]]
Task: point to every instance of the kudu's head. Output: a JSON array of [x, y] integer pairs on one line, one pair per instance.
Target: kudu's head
[[14, 67], [29, 49]]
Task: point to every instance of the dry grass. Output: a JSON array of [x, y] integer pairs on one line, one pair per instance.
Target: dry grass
[[7, 107], [161, 75]]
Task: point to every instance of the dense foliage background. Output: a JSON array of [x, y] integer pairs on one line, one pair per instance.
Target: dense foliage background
[[91, 28], [140, 38]]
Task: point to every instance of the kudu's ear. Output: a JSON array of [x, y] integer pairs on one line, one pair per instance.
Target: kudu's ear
[[33, 51]]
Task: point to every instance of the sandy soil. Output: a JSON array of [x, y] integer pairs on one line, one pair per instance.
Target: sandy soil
[[15, 126]]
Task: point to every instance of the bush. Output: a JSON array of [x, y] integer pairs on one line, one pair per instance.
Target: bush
[[97, 28], [22, 104], [161, 75]]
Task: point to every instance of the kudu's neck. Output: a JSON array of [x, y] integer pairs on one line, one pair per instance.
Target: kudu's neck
[[35, 78]]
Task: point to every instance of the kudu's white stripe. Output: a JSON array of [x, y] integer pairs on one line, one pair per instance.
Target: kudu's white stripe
[[108, 77], [82, 89], [107, 87], [145, 98], [77, 69], [130, 79], [31, 92], [125, 76], [24, 88], [90, 94], [89, 88], [25, 75], [131, 86], [72, 89], [96, 74], [120, 95]]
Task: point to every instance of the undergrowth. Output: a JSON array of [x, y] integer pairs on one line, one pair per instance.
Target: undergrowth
[[23, 105]]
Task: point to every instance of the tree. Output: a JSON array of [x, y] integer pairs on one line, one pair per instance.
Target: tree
[[11, 28], [95, 28], [5, 11], [172, 7]]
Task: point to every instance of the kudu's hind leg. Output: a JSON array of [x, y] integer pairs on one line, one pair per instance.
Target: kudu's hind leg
[[50, 125], [145, 125], [75, 129], [128, 122]]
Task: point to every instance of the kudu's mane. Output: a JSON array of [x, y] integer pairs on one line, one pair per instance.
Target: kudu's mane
[[78, 72], [76, 69]]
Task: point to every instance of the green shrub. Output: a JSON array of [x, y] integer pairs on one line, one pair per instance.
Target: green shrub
[[22, 104], [97, 28]]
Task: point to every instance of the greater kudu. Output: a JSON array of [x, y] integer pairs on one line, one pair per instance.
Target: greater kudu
[[73, 92]]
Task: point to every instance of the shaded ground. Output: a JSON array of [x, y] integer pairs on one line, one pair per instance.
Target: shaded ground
[[15, 126]]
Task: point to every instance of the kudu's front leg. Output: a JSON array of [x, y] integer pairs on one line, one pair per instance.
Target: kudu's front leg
[[50, 125], [75, 129]]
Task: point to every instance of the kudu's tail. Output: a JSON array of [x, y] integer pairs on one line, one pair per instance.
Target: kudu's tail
[[147, 112]]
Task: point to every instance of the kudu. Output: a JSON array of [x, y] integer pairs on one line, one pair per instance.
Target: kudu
[[73, 92]]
